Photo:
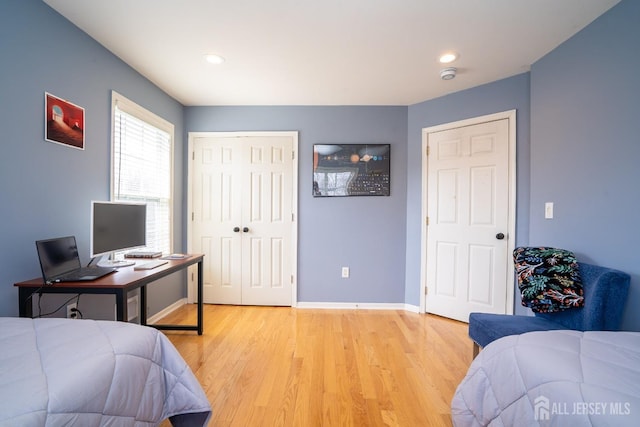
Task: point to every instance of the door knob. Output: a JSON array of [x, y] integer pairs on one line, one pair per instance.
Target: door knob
[[236, 229], [245, 229], [500, 236]]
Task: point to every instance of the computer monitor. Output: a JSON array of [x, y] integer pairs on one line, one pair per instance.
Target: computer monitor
[[117, 226]]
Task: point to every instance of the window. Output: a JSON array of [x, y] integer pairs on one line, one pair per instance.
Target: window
[[141, 168]]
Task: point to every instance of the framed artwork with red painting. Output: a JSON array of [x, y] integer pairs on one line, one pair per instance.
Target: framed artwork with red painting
[[64, 122]]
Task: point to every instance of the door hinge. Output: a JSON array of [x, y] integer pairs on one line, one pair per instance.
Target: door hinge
[[193, 216], [193, 155], [426, 290], [292, 279], [427, 153], [293, 217], [293, 155], [426, 221]]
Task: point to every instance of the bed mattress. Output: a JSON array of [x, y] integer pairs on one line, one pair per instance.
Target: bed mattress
[[56, 372], [557, 378]]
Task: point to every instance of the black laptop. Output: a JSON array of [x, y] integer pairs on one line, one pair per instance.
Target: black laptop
[[60, 262]]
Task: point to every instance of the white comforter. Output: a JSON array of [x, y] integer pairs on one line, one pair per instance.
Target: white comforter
[[559, 378], [56, 372]]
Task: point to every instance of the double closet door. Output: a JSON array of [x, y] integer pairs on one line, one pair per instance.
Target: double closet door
[[242, 201]]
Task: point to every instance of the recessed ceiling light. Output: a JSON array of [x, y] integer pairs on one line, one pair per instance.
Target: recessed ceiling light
[[448, 57], [214, 59]]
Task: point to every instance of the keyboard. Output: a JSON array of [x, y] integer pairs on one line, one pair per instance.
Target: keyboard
[[150, 265], [85, 273]]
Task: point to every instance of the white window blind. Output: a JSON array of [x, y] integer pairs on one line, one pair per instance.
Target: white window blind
[[141, 169]]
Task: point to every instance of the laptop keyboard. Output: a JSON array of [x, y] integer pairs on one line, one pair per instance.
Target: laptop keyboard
[[86, 272]]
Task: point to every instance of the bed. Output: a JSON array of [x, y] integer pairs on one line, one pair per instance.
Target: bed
[[561, 378], [87, 373]]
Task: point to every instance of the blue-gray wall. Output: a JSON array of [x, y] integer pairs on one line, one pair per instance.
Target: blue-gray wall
[[585, 146], [578, 127], [46, 188], [363, 233]]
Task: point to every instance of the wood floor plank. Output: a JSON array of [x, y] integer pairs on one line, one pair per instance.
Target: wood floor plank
[[281, 366]]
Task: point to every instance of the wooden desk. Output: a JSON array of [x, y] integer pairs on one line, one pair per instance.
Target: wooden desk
[[119, 284]]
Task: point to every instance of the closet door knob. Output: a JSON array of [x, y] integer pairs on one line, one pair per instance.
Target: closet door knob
[[245, 229], [236, 229], [500, 236]]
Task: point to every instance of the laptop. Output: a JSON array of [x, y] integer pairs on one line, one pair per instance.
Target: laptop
[[60, 262]]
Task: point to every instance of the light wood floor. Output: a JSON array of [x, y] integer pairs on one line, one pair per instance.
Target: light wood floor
[[279, 366]]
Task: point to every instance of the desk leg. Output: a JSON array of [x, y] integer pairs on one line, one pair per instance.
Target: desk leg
[[143, 305], [200, 297], [25, 304], [121, 306]]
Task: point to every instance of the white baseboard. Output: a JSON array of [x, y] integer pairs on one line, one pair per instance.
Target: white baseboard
[[358, 306], [176, 305], [307, 305], [412, 308]]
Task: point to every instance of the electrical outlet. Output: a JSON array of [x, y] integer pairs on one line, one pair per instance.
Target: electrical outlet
[[345, 272], [71, 310]]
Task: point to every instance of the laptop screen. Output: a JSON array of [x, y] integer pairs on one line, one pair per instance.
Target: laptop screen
[[57, 256]]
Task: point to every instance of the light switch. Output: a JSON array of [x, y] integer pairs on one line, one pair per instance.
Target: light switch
[[548, 210]]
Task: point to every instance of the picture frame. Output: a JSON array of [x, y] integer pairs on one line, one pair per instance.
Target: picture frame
[[341, 170], [64, 122]]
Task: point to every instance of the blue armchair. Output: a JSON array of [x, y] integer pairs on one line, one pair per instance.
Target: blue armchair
[[605, 293]]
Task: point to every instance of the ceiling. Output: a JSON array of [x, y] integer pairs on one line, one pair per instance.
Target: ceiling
[[326, 52]]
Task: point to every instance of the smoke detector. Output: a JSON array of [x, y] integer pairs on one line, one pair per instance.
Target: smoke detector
[[448, 73]]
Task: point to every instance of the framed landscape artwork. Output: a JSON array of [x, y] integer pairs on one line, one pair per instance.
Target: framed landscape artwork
[[64, 122]]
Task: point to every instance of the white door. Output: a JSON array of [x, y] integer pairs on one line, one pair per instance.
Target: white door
[[469, 219], [243, 193]]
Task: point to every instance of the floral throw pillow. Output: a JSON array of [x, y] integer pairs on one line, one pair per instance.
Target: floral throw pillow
[[548, 278]]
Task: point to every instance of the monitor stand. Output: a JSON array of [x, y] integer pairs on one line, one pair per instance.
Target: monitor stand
[[114, 263]]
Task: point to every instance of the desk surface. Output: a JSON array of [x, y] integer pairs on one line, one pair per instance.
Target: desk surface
[[124, 277]]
